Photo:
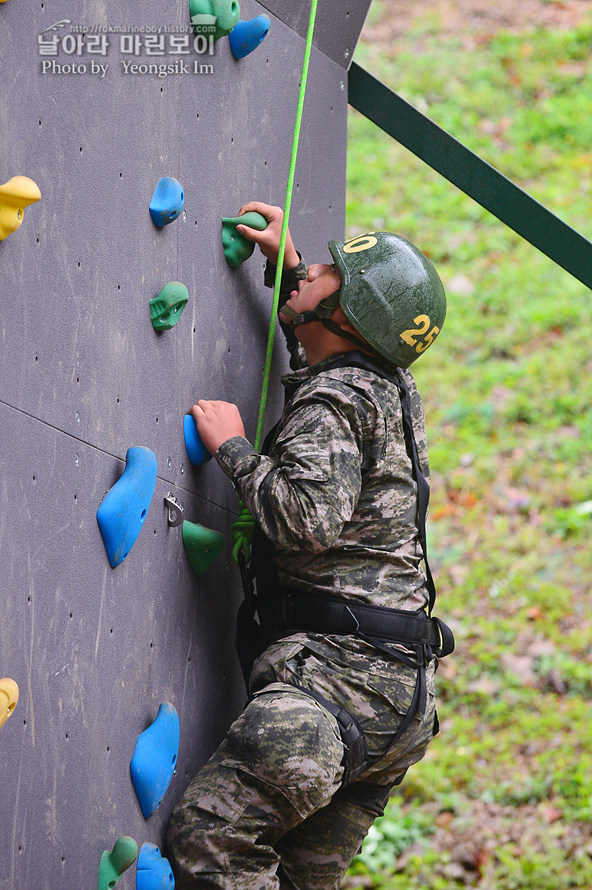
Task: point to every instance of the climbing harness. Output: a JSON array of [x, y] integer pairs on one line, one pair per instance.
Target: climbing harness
[[422, 635], [242, 529], [352, 735]]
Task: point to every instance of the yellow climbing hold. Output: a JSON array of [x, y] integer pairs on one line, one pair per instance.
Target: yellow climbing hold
[[9, 695], [15, 195]]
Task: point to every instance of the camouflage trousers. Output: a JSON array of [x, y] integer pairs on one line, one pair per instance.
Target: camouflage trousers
[[267, 811]]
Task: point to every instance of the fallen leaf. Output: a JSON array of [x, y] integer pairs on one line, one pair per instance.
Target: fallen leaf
[[444, 819], [551, 814]]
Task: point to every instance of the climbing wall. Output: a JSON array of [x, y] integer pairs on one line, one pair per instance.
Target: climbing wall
[[95, 650]]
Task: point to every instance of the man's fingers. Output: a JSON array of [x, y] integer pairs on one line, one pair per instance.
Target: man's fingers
[[265, 210], [251, 234], [252, 205]]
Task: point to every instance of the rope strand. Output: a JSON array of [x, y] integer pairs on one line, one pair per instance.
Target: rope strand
[[242, 529]]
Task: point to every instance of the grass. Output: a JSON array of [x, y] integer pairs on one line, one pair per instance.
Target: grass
[[504, 797]]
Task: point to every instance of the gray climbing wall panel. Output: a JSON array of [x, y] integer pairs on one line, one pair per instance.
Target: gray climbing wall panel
[[338, 25], [95, 650]]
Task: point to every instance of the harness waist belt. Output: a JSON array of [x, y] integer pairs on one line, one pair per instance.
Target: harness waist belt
[[320, 614]]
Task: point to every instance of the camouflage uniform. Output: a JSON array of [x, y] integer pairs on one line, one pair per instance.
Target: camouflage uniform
[[336, 498]]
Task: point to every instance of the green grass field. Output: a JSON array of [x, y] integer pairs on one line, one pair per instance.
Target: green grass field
[[504, 797]]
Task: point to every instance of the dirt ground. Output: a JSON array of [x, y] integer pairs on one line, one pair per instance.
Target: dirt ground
[[476, 19]]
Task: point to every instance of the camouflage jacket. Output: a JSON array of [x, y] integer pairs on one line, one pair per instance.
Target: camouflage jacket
[[335, 494]]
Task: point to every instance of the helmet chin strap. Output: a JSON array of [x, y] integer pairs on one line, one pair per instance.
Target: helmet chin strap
[[337, 329], [323, 310], [323, 313]]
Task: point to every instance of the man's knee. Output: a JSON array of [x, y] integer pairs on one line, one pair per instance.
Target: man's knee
[[287, 741]]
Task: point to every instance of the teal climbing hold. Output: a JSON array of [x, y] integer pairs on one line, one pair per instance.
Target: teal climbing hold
[[154, 758], [219, 15], [237, 248], [113, 865], [246, 36], [123, 510], [202, 545], [167, 201], [167, 307], [153, 871], [197, 452]]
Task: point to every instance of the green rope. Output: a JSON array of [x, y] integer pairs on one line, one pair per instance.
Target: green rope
[[242, 534], [242, 530]]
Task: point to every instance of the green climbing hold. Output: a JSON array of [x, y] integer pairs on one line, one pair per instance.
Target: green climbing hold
[[222, 15], [166, 308], [113, 865], [237, 248], [202, 545]]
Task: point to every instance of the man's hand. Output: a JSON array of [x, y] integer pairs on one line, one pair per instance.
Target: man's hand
[[216, 422], [269, 239]]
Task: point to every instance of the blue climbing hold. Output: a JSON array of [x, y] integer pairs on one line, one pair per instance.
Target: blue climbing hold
[[153, 871], [167, 201], [123, 510], [246, 36], [154, 758], [196, 450]]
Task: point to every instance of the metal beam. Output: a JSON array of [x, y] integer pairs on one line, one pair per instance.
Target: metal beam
[[470, 173]]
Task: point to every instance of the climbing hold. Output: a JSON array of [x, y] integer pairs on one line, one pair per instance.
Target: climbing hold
[[167, 307], [202, 545], [196, 450], [167, 201], [154, 871], [9, 696], [122, 511], [237, 248], [222, 14], [154, 758], [246, 36], [113, 865], [16, 194]]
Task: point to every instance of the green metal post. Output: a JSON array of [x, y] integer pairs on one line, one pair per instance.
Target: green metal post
[[471, 174]]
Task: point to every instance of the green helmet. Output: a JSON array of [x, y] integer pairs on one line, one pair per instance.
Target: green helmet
[[391, 294]]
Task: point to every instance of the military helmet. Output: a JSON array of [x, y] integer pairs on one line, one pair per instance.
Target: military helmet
[[391, 294]]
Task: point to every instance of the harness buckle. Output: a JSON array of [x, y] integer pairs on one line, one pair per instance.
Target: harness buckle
[[428, 653]]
